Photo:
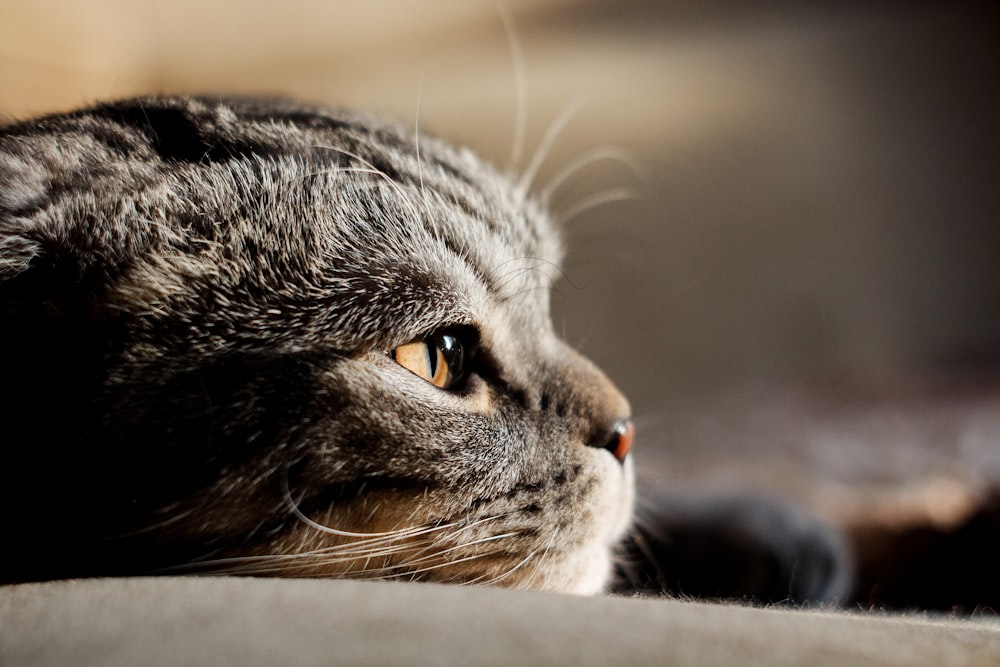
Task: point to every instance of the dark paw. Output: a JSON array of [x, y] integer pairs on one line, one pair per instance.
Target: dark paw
[[745, 548]]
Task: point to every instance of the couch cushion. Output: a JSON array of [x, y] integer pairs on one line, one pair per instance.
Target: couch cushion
[[232, 621]]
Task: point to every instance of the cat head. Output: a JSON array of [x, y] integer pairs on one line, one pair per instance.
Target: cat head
[[256, 337]]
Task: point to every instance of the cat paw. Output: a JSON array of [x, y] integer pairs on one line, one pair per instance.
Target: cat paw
[[732, 547]]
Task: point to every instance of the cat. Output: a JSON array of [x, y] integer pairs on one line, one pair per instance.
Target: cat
[[253, 336]]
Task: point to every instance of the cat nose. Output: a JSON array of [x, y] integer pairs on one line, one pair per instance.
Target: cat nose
[[620, 442]]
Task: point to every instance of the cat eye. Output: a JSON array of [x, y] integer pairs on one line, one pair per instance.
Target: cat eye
[[438, 358]]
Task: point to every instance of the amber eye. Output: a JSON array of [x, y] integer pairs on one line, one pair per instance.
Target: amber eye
[[438, 358]]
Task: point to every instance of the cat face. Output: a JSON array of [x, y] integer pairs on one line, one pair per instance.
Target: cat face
[[260, 338]]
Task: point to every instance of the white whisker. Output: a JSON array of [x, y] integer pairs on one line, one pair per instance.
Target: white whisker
[[279, 562], [409, 534], [375, 170], [431, 568], [588, 158], [416, 136], [416, 549], [609, 196], [545, 552], [464, 545], [517, 566], [326, 529], [371, 548], [520, 85], [545, 145]]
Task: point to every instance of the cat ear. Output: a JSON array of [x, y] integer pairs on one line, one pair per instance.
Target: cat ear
[[24, 185]]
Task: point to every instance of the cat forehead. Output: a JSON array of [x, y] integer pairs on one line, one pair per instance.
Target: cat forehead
[[175, 194], [213, 153]]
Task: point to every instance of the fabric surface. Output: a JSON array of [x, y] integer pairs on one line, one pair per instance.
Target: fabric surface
[[231, 621]]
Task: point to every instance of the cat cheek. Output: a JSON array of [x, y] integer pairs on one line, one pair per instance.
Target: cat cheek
[[478, 397]]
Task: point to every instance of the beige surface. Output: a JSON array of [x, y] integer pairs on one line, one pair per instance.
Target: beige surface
[[302, 622]]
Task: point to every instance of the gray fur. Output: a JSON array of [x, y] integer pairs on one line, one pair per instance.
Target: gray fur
[[199, 299]]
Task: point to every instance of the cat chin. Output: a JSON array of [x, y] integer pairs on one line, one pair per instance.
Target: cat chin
[[621, 522], [589, 572], [592, 567], [593, 575]]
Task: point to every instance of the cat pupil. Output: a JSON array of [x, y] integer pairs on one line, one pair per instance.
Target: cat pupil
[[434, 359], [449, 351]]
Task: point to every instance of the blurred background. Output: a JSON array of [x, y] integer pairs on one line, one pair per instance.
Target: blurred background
[[818, 199], [820, 191]]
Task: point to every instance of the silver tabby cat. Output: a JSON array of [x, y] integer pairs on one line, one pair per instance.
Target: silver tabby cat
[[255, 337]]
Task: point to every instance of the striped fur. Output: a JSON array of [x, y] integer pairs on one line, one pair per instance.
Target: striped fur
[[198, 303]]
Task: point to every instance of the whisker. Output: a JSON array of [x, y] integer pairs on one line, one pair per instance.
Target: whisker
[[514, 275], [293, 506], [538, 265], [524, 561], [416, 136], [461, 525], [520, 85], [386, 544], [238, 563], [431, 568], [385, 177], [609, 196], [464, 545], [548, 547], [528, 290], [428, 552], [588, 158], [531, 258], [545, 145], [277, 562], [280, 563]]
